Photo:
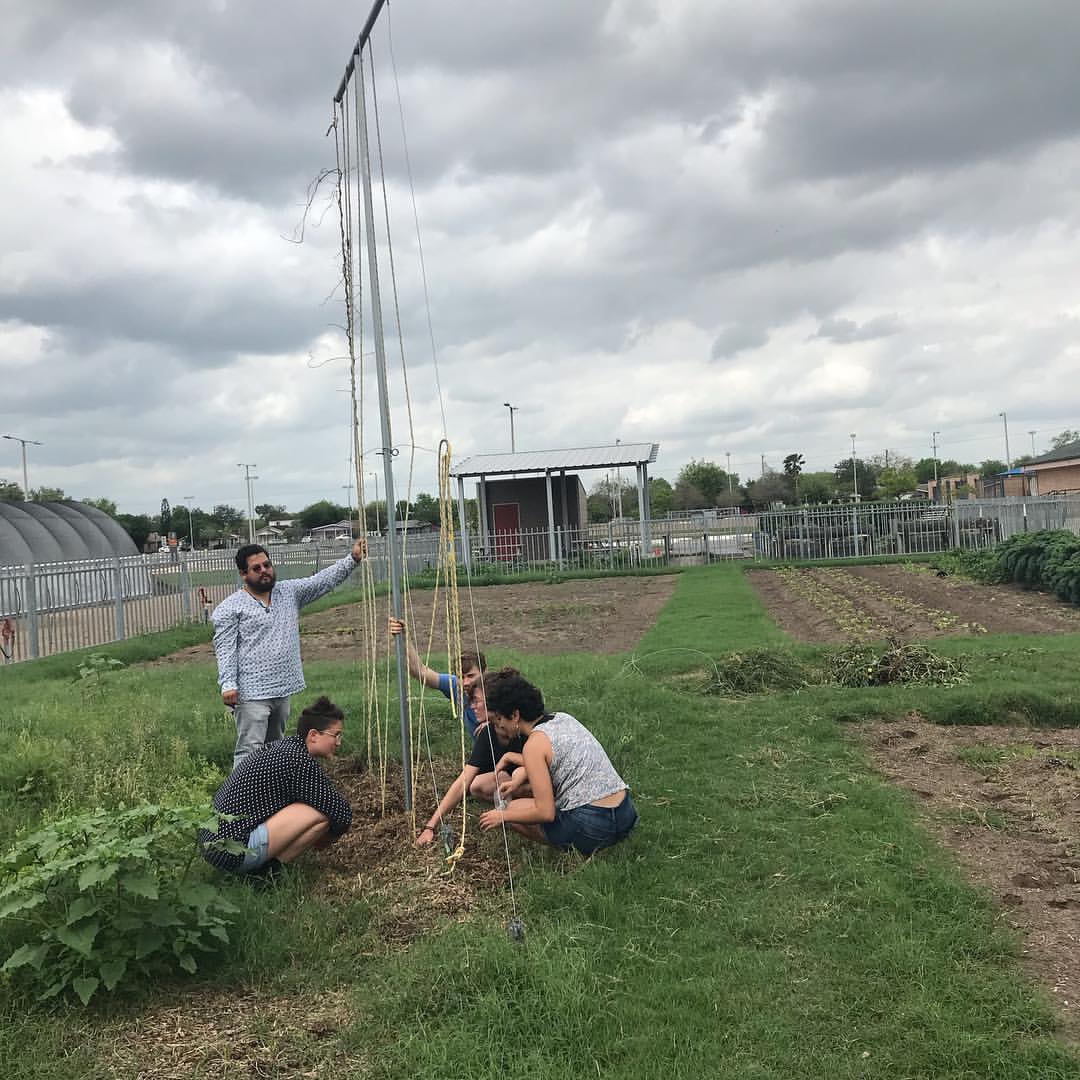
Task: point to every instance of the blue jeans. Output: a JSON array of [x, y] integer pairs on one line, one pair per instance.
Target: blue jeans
[[258, 852], [259, 723], [589, 828]]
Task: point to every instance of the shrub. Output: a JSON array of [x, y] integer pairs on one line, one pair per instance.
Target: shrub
[[108, 897]]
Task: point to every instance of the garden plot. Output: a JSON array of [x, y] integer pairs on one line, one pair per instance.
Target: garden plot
[[1006, 801], [868, 603], [590, 615]]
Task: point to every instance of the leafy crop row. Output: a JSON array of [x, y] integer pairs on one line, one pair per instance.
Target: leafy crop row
[[1048, 560], [940, 620], [839, 609]]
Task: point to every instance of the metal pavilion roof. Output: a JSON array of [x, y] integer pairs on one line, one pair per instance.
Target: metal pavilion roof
[[587, 457]]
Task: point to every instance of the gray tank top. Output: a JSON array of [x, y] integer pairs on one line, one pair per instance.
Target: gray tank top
[[581, 772]]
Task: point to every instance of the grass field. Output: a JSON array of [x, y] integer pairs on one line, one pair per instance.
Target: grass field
[[778, 913]]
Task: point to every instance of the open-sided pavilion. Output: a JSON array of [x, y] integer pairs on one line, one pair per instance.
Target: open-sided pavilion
[[528, 481]]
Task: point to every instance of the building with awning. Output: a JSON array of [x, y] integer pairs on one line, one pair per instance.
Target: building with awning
[[537, 490]]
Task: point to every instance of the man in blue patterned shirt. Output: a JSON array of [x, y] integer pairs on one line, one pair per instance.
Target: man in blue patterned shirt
[[257, 642]]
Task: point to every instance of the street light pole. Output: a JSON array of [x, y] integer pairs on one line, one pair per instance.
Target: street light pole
[[25, 472], [1008, 456], [933, 438], [729, 487], [513, 409], [247, 467], [854, 471], [1033, 434], [191, 526]]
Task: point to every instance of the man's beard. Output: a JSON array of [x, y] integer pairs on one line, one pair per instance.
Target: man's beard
[[261, 587]]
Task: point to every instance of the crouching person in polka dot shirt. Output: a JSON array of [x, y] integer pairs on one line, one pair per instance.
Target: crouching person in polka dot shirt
[[279, 799]]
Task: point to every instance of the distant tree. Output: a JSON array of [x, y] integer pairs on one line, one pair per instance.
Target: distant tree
[[106, 506], [426, 508], [47, 494], [706, 477], [687, 496], [793, 465], [137, 526], [892, 459], [164, 518], [323, 512], [894, 482], [375, 516], [661, 496], [865, 477], [226, 518], [270, 511], [1023, 459], [817, 487], [771, 488], [991, 466], [10, 491], [1063, 438]]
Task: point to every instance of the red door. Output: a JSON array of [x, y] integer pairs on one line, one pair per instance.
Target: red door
[[507, 521]]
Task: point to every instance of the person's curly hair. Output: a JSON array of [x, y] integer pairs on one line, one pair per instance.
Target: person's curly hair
[[507, 690]]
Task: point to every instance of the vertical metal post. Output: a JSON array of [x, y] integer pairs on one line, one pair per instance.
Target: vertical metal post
[[185, 590], [610, 545], [482, 509], [360, 99], [118, 598], [32, 626], [463, 522], [551, 515], [643, 516]]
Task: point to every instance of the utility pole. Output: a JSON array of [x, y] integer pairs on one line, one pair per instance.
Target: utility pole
[[933, 437], [189, 499], [729, 487], [618, 484], [763, 466], [1033, 434], [25, 473], [513, 409], [247, 466], [1008, 456], [854, 471]]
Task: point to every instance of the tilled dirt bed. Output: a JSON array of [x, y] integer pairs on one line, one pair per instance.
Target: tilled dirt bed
[[1006, 801], [596, 615], [838, 604]]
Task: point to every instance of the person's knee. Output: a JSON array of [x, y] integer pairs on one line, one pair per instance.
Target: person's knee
[[483, 786]]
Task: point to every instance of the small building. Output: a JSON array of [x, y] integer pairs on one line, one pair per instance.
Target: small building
[[1056, 473], [1004, 484], [270, 535], [413, 527], [532, 504], [956, 486], [327, 534]]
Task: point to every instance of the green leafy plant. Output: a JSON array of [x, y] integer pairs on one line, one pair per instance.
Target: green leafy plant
[[92, 671], [108, 897], [898, 662]]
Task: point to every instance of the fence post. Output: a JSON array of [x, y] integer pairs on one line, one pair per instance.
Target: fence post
[[954, 521], [118, 598], [32, 610], [318, 558], [185, 589]]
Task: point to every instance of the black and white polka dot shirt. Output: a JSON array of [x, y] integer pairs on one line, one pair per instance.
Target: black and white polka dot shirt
[[265, 782]]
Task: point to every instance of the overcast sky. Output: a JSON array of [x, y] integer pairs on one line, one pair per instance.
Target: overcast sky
[[748, 228]]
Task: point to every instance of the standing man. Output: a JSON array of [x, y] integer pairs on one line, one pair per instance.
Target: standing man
[[257, 642], [472, 674]]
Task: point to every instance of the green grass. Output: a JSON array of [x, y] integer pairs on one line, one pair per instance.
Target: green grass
[[777, 914]]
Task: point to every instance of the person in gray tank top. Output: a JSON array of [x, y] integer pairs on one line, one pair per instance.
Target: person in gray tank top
[[578, 799]]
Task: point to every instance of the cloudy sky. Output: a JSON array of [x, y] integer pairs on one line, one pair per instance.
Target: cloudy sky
[[726, 227]]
